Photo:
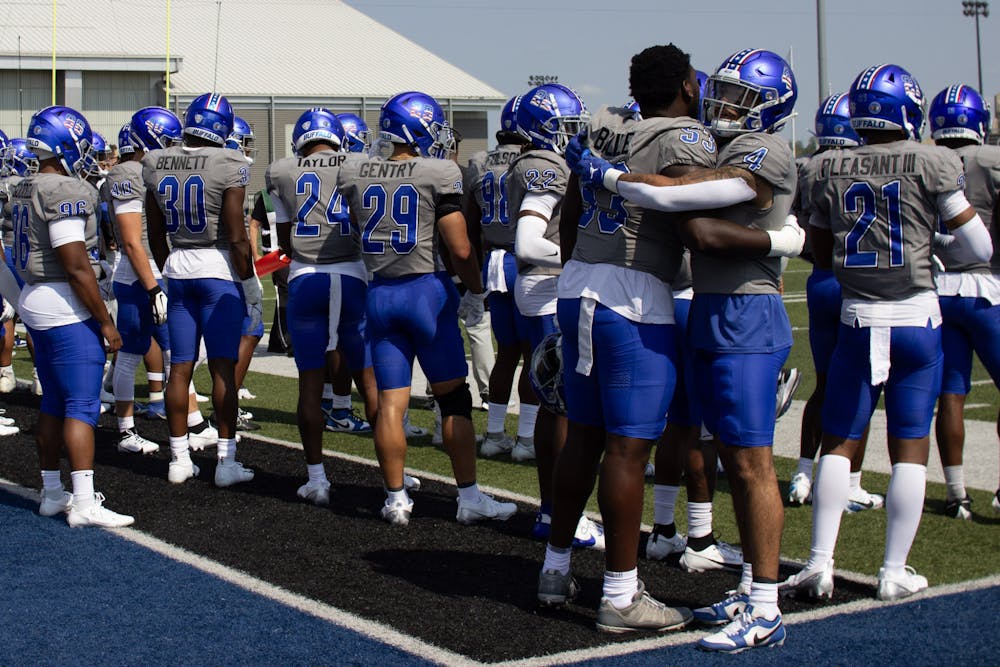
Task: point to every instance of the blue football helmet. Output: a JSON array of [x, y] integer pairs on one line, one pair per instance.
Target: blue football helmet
[[508, 115], [318, 124], [241, 139], [550, 115], [887, 97], [417, 120], [958, 112], [356, 132], [65, 134], [19, 158], [125, 146], [833, 122], [209, 117], [154, 128], [633, 106], [546, 373], [752, 91]]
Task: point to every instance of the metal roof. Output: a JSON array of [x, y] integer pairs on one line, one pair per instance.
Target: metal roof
[[282, 48]]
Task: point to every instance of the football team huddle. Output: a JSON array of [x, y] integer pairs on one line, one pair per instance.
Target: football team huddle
[[631, 260]]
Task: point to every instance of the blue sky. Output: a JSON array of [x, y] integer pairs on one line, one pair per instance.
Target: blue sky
[[588, 43]]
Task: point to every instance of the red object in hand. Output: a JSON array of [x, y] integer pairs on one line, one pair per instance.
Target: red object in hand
[[271, 262]]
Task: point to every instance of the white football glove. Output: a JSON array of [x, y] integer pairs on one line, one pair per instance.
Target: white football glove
[[787, 241], [253, 294], [8, 312], [158, 305], [471, 308]]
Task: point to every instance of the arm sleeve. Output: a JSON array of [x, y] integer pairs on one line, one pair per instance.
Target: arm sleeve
[[693, 197], [67, 230], [448, 204], [531, 245], [129, 206]]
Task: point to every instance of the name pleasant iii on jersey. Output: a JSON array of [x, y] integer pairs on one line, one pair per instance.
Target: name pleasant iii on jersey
[[868, 165]]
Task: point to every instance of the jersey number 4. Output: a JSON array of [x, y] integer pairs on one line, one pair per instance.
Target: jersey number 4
[[401, 207], [860, 200]]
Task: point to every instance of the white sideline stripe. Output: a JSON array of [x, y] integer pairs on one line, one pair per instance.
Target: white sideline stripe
[[344, 619], [688, 637]]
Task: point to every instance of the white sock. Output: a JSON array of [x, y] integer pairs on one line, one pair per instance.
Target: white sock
[[155, 396], [398, 497], [904, 503], [227, 449], [469, 494], [526, 421], [764, 600], [496, 418], [341, 402], [51, 480], [855, 480], [179, 449], [699, 519], [556, 559], [328, 391], [830, 492], [317, 474], [83, 488], [125, 423], [195, 418], [664, 498], [805, 467], [746, 577], [620, 587], [954, 477]]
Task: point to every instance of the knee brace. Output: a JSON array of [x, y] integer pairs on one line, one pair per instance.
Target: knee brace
[[456, 403], [123, 379]]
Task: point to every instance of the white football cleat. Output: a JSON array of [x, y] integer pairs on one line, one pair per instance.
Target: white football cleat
[[206, 437], [899, 587], [179, 472], [659, 546], [495, 444], [486, 507], [398, 514], [96, 514], [799, 490], [814, 584], [55, 501], [132, 443], [228, 473], [524, 449], [8, 381], [317, 493], [717, 556]]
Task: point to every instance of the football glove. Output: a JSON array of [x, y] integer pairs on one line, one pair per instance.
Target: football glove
[[471, 308], [787, 241], [158, 305], [8, 312]]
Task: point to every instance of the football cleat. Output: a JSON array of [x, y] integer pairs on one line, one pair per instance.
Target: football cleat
[[8, 381], [860, 500], [645, 613], [411, 483], [495, 444], [346, 420], [650, 471], [524, 450], [8, 431], [201, 436], [996, 502], [36, 384], [153, 410], [244, 422], [744, 632], [398, 514], [660, 546], [800, 490], [317, 493], [179, 472], [96, 514], [723, 612], [486, 507], [788, 382], [411, 430], [899, 587], [246, 395], [589, 535], [228, 473], [55, 501], [130, 442], [555, 589], [960, 509], [815, 584], [716, 556]]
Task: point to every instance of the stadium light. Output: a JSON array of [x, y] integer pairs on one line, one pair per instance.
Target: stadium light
[[977, 9]]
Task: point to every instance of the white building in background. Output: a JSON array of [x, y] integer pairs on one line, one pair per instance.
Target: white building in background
[[272, 60]]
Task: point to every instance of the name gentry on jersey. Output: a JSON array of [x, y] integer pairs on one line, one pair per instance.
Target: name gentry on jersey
[[397, 169], [181, 162], [868, 165]]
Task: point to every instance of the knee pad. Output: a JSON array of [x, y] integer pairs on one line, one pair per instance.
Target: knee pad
[[456, 403], [123, 379]]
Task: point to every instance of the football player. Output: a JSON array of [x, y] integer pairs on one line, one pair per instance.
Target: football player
[[62, 307], [833, 130], [875, 215], [737, 323], [402, 205], [195, 193], [358, 137], [969, 292], [487, 203], [327, 279]]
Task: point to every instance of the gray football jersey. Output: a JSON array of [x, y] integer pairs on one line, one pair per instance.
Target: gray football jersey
[[38, 201], [125, 184], [769, 157], [982, 182], [488, 185], [538, 172], [321, 222], [615, 231], [189, 184], [394, 203], [6, 225], [881, 202]]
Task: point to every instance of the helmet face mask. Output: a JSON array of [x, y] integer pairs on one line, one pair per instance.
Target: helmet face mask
[[358, 138], [550, 115], [751, 91], [19, 159], [62, 133], [545, 373], [153, 128], [416, 120], [241, 138]]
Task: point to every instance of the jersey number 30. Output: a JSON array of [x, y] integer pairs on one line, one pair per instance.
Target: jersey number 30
[[191, 199]]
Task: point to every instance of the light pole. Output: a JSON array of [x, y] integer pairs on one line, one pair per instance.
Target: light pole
[[977, 9]]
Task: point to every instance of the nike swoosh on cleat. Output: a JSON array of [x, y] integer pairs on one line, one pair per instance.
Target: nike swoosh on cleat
[[758, 640]]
